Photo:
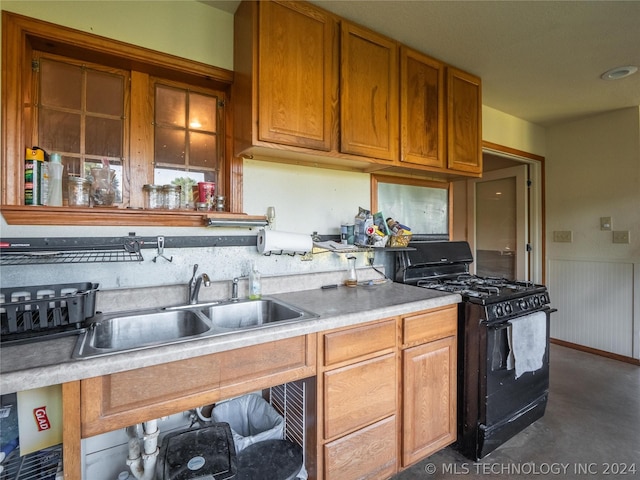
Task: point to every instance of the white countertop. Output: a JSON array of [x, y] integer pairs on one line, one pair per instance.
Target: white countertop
[[50, 362]]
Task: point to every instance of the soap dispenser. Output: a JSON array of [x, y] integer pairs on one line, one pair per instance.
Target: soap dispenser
[[255, 283]]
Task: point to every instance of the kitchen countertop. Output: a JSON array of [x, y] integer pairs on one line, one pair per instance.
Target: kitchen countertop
[[49, 362]]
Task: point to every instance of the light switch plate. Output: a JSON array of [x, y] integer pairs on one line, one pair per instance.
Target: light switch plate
[[605, 223], [563, 236], [621, 236]]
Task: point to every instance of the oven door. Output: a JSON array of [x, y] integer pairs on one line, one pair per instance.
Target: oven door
[[506, 396]]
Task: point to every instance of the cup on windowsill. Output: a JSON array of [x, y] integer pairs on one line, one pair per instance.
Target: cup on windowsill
[[206, 194]]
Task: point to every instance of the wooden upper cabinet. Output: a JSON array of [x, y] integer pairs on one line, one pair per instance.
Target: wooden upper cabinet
[[464, 127], [422, 136], [286, 81], [368, 94]]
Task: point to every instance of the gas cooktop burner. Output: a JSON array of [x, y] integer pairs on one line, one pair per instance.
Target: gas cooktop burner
[[487, 289]]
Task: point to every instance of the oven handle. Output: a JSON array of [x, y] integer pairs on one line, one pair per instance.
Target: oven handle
[[498, 326], [503, 325]]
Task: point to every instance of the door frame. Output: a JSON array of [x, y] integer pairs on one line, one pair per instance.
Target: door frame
[[536, 202], [521, 174]]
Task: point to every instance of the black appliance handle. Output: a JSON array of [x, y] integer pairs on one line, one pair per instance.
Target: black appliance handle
[[498, 326]]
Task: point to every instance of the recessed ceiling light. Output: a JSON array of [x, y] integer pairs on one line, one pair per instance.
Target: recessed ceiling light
[[619, 72]]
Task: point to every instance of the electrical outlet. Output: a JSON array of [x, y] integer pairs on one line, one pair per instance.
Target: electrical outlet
[[370, 257], [563, 236], [605, 223], [621, 236]]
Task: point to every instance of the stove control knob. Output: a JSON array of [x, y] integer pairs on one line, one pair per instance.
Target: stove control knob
[[508, 308], [523, 304], [536, 301], [499, 311]]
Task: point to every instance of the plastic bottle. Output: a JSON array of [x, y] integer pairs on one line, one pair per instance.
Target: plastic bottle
[[55, 180], [255, 283]]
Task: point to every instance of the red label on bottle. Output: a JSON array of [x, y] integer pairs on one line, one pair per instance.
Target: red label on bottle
[[42, 420]]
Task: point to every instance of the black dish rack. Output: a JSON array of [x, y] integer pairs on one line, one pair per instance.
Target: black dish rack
[[42, 312]]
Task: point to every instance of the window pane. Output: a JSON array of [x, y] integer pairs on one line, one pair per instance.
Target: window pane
[[103, 137], [423, 209], [63, 85], [105, 93], [202, 112], [170, 146], [59, 131], [170, 106], [202, 150]]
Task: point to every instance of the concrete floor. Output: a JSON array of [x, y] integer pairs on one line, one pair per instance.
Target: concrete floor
[[591, 429]]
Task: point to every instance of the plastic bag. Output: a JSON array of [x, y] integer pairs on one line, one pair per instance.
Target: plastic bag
[[251, 419]]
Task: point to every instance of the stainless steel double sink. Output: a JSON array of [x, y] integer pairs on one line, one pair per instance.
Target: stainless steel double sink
[[135, 330]]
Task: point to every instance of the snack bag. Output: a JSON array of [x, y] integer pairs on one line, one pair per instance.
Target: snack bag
[[363, 220]]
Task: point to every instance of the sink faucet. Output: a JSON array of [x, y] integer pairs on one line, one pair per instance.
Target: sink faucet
[[195, 283], [234, 288]]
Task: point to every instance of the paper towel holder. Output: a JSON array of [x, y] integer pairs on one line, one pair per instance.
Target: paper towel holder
[[236, 222], [282, 252]]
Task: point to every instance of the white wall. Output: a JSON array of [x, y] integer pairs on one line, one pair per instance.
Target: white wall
[[186, 29], [593, 171], [509, 131]]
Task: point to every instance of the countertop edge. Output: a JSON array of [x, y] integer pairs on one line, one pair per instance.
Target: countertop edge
[[72, 370]]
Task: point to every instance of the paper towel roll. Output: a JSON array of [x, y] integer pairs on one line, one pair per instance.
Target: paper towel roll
[[271, 241]]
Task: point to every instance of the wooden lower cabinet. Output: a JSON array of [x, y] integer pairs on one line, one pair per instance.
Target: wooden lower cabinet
[[358, 401], [429, 398], [429, 403], [370, 453], [385, 393]]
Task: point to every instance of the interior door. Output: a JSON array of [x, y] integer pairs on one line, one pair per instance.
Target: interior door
[[499, 223]]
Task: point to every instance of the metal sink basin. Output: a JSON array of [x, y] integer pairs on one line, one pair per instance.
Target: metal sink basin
[[244, 314], [136, 330]]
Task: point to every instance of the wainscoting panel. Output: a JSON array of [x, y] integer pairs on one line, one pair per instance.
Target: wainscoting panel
[[594, 302]]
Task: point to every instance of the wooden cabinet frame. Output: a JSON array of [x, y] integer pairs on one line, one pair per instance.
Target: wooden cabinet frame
[[20, 36], [413, 411]]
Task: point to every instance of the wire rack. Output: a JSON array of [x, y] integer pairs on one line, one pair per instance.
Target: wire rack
[[93, 256], [41, 465], [289, 401]]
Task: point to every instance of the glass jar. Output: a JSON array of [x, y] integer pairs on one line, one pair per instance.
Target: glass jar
[[153, 197], [102, 192], [172, 194], [79, 189], [352, 277], [219, 203]]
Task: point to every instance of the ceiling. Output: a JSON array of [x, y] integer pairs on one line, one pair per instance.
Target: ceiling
[[539, 60]]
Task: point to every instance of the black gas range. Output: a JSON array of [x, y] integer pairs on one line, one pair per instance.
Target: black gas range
[[502, 298], [503, 343]]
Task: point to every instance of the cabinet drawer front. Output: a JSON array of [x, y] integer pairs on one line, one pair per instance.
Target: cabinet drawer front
[[367, 453], [121, 399], [359, 341], [428, 326], [359, 394]]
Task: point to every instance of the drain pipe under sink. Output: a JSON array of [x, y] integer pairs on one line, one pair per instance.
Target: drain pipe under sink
[[143, 464]]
